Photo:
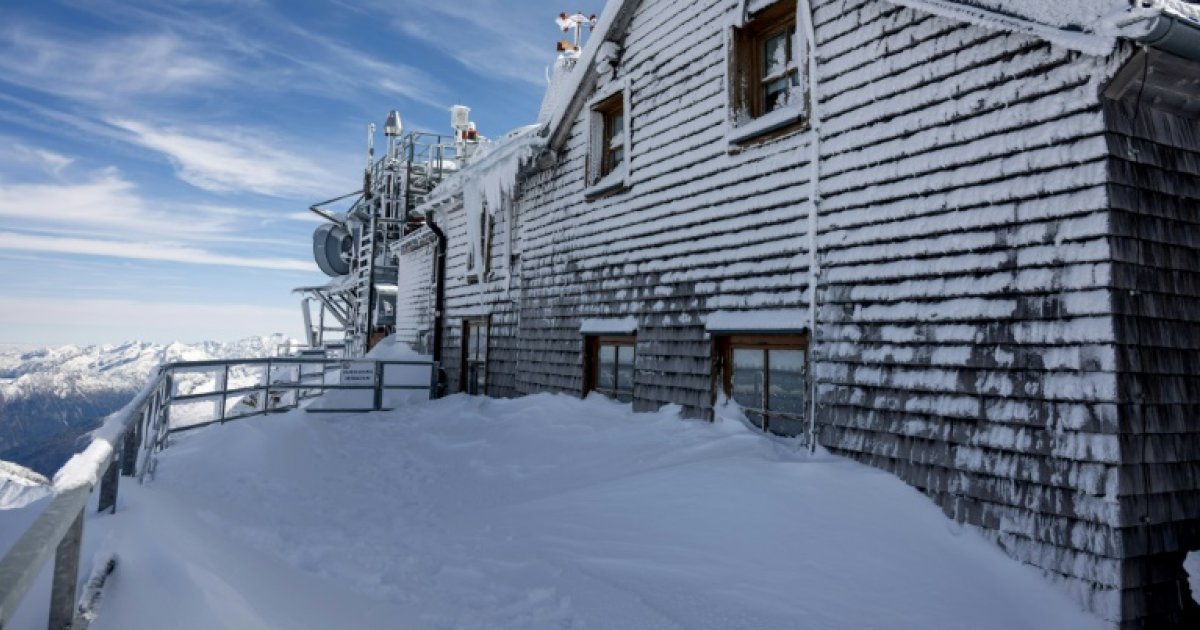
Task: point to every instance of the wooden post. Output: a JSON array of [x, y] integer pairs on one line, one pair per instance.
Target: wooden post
[[378, 385], [266, 399], [108, 485], [224, 393], [66, 577], [433, 381], [129, 448]]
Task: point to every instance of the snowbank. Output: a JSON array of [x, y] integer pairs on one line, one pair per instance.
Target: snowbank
[[20, 486], [544, 512]]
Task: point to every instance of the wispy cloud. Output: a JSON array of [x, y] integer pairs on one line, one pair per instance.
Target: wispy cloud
[[499, 46], [39, 160], [51, 320], [103, 69], [102, 200], [234, 160], [261, 47], [167, 252], [102, 204]]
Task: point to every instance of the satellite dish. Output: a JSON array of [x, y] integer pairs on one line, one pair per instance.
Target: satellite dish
[[331, 249]]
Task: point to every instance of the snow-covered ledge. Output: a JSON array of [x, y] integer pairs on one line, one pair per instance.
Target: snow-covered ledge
[[774, 121], [611, 326], [757, 321]]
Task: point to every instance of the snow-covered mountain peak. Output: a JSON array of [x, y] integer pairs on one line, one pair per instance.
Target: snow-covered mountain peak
[[49, 397]]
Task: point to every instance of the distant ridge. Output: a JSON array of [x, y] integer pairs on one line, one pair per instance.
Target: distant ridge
[[50, 398]]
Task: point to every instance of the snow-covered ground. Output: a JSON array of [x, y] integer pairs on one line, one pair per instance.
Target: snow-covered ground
[[542, 512]]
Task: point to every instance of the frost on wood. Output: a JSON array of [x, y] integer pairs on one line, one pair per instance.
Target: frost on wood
[[610, 326]]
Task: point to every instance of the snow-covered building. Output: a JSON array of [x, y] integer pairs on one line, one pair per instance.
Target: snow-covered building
[[956, 239]]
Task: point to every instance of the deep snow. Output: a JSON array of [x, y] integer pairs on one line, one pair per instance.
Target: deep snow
[[542, 512]]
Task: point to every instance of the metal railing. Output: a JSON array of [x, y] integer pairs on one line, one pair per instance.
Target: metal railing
[[267, 385]]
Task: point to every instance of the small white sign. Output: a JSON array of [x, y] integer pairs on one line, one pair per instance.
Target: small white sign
[[358, 373]]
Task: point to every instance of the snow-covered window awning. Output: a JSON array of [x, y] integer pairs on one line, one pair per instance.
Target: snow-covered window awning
[[609, 326], [783, 321]]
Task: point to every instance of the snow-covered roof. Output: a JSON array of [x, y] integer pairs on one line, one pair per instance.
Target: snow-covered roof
[[1089, 26], [572, 96]]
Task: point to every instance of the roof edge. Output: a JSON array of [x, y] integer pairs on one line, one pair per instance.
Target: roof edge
[[613, 20], [1092, 42]]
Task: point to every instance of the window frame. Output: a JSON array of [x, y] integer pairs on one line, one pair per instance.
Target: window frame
[[748, 122], [603, 176], [610, 110], [591, 364], [723, 349], [466, 384]]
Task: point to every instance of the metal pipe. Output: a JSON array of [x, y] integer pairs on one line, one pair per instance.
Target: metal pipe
[[1173, 34], [439, 300]]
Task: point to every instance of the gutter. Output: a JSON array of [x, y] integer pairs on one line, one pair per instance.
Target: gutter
[[1173, 34], [439, 300]]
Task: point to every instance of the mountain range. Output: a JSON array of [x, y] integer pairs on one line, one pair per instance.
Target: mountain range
[[50, 398]]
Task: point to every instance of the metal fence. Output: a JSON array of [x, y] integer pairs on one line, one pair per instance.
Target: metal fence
[[238, 389]]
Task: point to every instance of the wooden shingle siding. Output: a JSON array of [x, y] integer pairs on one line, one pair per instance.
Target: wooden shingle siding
[[1154, 167], [494, 297], [700, 229], [415, 290], [965, 336], [1009, 293]]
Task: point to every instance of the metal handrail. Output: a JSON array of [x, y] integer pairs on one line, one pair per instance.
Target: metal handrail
[[125, 445]]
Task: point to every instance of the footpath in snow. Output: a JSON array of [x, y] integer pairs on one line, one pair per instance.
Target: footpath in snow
[[542, 512]]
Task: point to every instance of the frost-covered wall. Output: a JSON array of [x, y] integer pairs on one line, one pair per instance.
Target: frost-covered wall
[[415, 289], [491, 295], [968, 337], [700, 228], [1155, 192]]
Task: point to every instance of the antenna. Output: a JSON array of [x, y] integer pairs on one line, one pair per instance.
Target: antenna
[[370, 161], [576, 22], [370, 145]]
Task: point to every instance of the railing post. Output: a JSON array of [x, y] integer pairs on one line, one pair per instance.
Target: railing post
[[224, 393], [266, 398], [433, 381], [108, 486], [378, 385], [66, 576], [129, 448]]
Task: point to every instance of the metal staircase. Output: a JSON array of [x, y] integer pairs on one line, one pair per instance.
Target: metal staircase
[[394, 186]]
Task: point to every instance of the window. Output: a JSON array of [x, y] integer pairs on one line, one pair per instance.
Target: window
[[612, 144], [767, 376], [776, 69], [473, 374], [608, 157], [609, 366], [768, 64]]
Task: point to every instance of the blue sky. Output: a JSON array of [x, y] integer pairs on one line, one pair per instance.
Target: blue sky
[[157, 157]]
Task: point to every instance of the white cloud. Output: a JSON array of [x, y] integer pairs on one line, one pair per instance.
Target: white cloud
[[234, 160], [103, 202], [20, 156], [489, 37], [103, 70], [37, 320], [168, 252]]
